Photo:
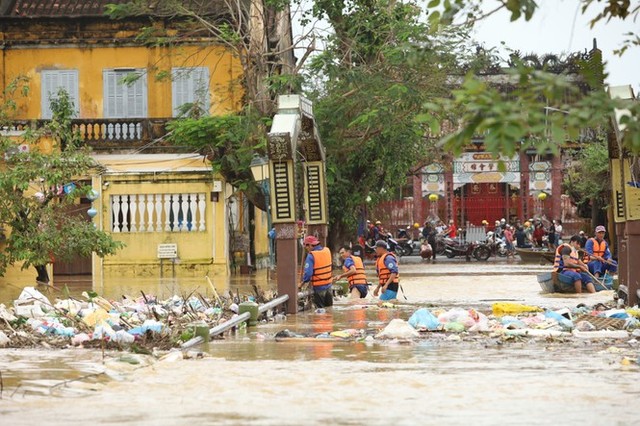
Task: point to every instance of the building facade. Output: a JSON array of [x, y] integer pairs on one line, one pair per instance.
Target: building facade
[[152, 195]]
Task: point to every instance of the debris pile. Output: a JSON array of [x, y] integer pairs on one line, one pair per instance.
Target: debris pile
[[139, 323]]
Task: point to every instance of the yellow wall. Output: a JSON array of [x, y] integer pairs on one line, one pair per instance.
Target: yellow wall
[[199, 252], [224, 71]]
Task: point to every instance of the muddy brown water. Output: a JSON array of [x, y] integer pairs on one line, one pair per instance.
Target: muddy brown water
[[248, 378]]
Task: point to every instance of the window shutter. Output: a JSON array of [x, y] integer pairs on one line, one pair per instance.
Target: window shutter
[[190, 85], [54, 80], [123, 100], [109, 99]]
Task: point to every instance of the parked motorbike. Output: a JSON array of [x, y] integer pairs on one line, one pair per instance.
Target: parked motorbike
[[369, 249], [408, 244], [478, 251]]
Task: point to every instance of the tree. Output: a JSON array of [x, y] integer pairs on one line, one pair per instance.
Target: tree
[[546, 110], [587, 180], [374, 76], [39, 192]]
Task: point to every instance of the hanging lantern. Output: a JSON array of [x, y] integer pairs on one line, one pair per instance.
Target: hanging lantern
[[93, 195], [433, 197], [68, 188], [542, 196], [92, 212], [39, 196]]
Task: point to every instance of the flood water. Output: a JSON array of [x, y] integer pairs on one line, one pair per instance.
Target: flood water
[[249, 378]]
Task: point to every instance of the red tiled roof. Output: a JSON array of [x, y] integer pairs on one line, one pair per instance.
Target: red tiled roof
[[57, 8]]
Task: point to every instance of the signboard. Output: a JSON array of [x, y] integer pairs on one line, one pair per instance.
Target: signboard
[[167, 251], [314, 192], [282, 198], [482, 167]]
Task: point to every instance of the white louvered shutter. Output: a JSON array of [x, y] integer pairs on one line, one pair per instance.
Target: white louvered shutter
[[54, 80], [124, 100], [190, 85]]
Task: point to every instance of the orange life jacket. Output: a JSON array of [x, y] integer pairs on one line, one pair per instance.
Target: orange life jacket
[[383, 271], [322, 265], [359, 277], [558, 263], [599, 249]]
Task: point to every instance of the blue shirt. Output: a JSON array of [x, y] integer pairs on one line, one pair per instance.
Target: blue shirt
[[589, 249], [309, 263], [348, 262]]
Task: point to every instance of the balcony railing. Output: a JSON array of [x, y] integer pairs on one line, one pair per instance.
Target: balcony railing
[[109, 133]]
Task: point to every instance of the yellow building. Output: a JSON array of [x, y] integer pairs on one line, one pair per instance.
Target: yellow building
[[152, 195]]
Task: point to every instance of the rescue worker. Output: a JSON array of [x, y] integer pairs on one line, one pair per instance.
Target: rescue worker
[[568, 263], [354, 273], [317, 271], [598, 254], [387, 270]]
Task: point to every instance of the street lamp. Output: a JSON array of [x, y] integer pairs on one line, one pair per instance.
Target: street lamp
[[260, 171]]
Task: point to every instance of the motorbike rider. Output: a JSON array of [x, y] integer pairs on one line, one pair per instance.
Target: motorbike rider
[[451, 230]]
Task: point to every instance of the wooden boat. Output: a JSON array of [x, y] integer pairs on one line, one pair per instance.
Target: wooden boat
[[537, 256], [552, 282]]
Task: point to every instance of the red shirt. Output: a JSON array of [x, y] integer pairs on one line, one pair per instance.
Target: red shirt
[[452, 231]]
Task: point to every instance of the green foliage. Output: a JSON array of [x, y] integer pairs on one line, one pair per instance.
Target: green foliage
[[544, 109], [372, 80], [34, 212], [587, 180], [228, 141]]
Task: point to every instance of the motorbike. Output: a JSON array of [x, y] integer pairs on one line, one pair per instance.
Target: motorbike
[[497, 246], [369, 249], [408, 244], [478, 251]]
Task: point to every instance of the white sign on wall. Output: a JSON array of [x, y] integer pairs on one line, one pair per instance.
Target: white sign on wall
[[167, 251]]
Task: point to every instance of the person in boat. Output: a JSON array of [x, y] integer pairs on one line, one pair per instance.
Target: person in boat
[[317, 271], [583, 239], [598, 254], [387, 270], [568, 263], [538, 234], [354, 273]]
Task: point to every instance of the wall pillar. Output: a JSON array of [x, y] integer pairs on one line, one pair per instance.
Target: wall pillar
[[524, 187], [556, 187], [448, 191], [287, 255], [632, 247], [418, 214]]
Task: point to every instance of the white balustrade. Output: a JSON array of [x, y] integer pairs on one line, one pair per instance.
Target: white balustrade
[[158, 213]]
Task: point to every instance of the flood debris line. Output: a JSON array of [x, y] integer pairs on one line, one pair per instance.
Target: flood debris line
[[505, 322], [136, 323]]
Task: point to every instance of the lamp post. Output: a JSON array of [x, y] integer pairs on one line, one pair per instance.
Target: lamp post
[[260, 171]]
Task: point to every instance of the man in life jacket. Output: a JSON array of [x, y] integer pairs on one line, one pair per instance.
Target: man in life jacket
[[568, 263], [598, 254], [387, 270], [354, 273], [317, 271]]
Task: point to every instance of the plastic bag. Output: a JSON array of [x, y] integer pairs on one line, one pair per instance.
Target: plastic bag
[[423, 319], [506, 308]]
